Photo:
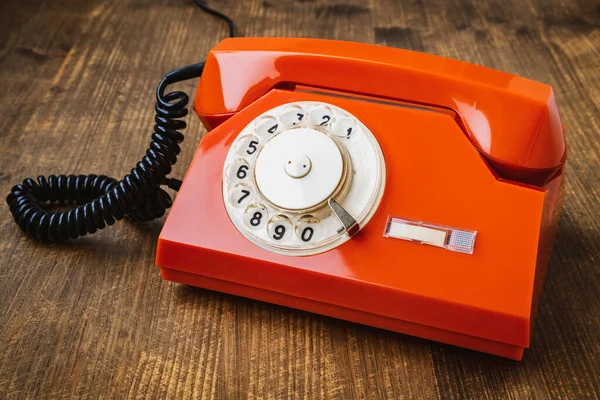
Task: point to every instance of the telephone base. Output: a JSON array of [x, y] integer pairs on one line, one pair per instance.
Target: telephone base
[[484, 301], [348, 314]]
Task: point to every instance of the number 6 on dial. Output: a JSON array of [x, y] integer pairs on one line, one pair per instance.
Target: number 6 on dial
[[238, 170]]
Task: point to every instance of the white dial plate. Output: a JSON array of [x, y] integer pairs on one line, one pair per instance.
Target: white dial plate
[[283, 167], [298, 168]]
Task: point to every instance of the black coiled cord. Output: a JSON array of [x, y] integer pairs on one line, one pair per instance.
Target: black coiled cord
[[102, 200]]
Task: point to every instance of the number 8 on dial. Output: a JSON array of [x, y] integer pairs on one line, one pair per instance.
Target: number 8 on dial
[[256, 216]]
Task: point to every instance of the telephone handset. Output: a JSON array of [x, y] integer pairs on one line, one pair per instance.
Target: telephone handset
[[512, 121], [382, 186]]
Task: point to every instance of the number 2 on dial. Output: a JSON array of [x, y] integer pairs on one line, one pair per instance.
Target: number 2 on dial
[[326, 119]]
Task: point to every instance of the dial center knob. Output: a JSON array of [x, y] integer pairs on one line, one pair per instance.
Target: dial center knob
[[298, 166]]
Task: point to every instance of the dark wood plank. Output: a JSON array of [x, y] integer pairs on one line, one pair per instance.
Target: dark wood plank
[[92, 318]]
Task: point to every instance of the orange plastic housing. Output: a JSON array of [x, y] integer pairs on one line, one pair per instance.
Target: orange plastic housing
[[446, 164]]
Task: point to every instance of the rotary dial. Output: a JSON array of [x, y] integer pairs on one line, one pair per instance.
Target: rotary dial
[[303, 178]]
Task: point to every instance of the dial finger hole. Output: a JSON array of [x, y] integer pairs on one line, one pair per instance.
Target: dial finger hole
[[320, 115], [241, 195], [308, 229], [266, 126], [280, 228], [292, 115], [344, 127], [248, 146], [255, 216], [238, 171]]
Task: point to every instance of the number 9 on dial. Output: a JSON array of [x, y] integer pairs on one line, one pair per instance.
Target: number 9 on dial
[[280, 228]]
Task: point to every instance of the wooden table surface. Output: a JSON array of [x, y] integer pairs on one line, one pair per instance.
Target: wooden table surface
[[92, 318]]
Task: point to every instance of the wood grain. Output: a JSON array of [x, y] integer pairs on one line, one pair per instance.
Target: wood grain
[[92, 318]]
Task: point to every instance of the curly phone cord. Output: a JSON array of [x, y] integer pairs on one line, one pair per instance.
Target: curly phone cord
[[101, 200]]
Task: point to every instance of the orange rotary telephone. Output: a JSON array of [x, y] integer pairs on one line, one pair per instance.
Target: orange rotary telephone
[[382, 186]]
